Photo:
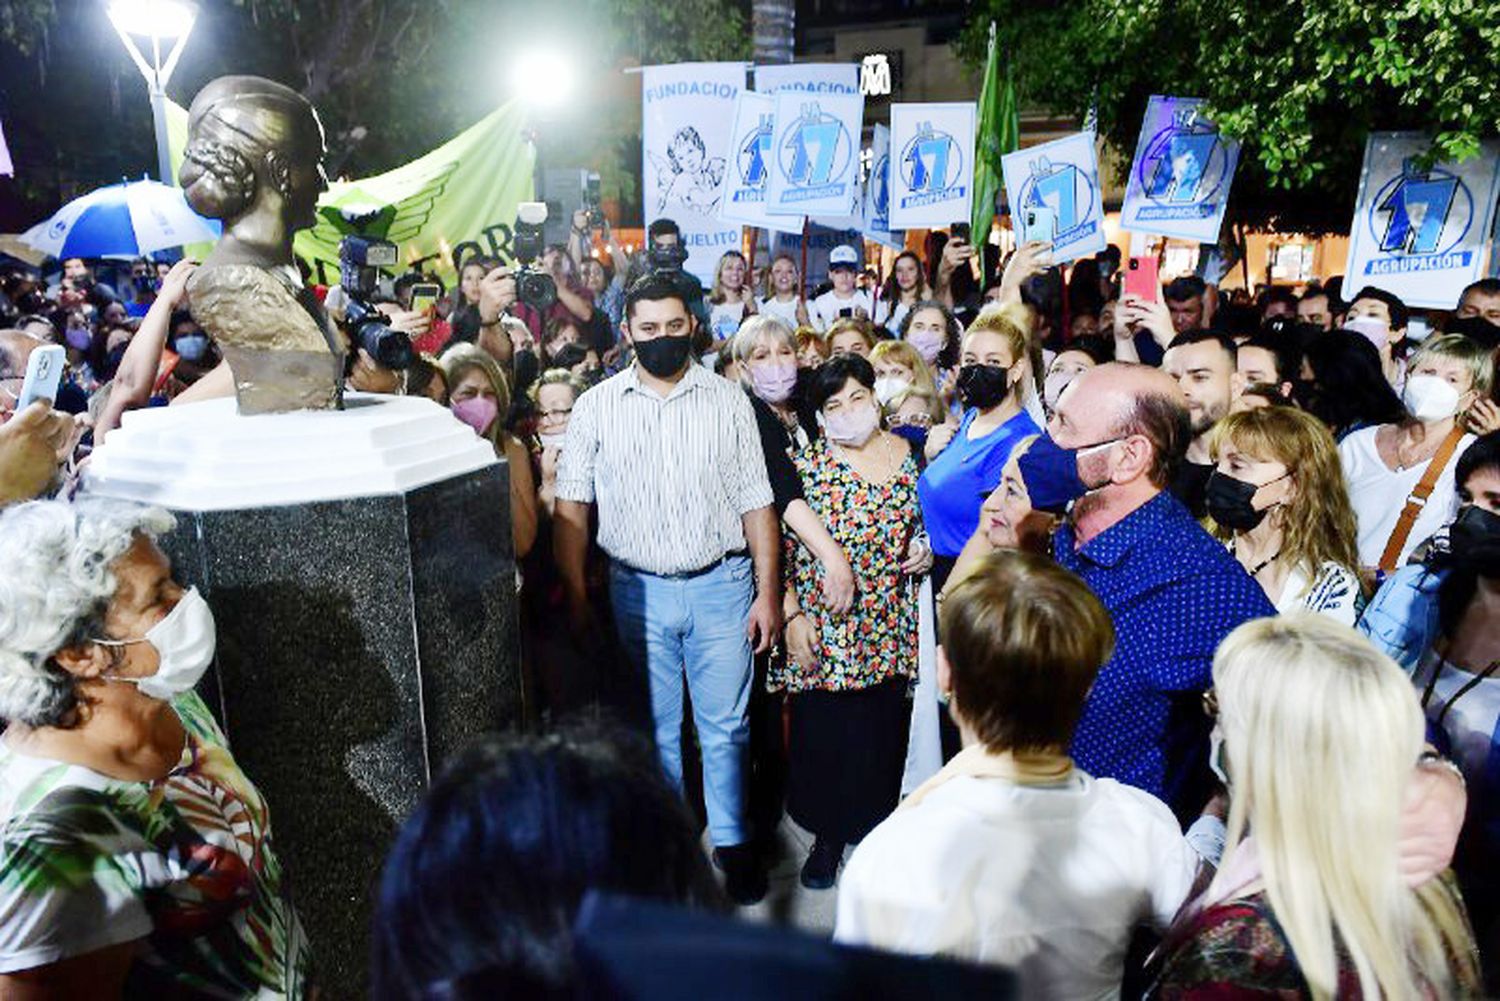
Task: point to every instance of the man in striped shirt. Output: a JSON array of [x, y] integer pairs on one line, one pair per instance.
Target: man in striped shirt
[[670, 455]]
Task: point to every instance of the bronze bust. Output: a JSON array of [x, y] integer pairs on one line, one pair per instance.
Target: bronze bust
[[254, 160]]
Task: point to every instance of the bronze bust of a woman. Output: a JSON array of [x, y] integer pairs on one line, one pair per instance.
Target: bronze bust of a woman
[[254, 160]]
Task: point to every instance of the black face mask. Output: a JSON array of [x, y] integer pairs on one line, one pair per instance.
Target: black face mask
[[1474, 540], [1231, 502], [983, 386], [664, 356], [113, 359]]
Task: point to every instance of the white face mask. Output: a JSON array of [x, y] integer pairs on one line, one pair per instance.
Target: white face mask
[[888, 387], [553, 440], [1377, 332], [851, 427], [1053, 386], [185, 641], [1430, 397], [1216, 756]]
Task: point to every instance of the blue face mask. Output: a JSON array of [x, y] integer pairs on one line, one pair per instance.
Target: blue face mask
[[191, 347], [917, 436], [1051, 473]]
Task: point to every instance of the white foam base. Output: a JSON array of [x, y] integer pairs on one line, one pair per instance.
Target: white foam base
[[206, 457]]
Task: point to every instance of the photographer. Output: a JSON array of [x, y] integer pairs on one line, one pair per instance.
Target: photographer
[[664, 252]]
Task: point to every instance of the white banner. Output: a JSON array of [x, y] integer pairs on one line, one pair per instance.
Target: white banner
[[7, 168], [1420, 234], [1180, 178], [1061, 180], [815, 154], [808, 78], [878, 193], [932, 156], [688, 113], [750, 162]]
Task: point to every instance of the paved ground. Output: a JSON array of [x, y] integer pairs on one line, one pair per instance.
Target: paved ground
[[788, 902]]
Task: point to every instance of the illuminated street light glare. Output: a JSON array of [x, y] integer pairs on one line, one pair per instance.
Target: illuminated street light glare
[[156, 18], [543, 78]]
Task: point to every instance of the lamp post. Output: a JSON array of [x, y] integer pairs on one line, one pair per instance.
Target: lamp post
[[157, 21]]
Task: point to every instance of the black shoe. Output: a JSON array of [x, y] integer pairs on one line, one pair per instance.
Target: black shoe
[[744, 877], [821, 870]]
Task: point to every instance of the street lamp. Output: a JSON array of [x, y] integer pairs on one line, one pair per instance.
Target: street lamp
[[158, 21], [544, 78]]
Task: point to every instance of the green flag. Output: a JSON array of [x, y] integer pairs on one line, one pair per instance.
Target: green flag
[[460, 197], [999, 133], [457, 201]]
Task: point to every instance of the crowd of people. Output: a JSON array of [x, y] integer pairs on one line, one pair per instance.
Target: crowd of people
[[1136, 645]]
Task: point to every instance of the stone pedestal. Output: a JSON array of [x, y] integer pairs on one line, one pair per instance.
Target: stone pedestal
[[360, 570]]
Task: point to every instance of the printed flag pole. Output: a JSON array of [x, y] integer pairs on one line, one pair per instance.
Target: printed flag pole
[[999, 133]]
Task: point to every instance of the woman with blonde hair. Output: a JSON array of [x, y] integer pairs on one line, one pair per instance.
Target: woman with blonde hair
[[1276, 497], [731, 299], [1385, 466], [479, 396], [965, 459], [851, 335], [898, 368], [1316, 737]]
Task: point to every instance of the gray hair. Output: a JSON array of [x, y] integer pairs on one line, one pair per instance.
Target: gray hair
[[753, 329], [58, 581]]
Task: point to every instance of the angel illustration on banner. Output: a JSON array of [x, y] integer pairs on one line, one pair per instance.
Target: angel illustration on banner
[[688, 176]]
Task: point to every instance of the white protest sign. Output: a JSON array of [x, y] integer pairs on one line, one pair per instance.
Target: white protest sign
[[1420, 234], [1180, 177], [750, 162], [878, 193], [808, 78], [932, 182], [688, 112], [1061, 178], [815, 154]]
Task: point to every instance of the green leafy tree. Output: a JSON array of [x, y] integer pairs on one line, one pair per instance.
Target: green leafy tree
[[1300, 85], [391, 79]]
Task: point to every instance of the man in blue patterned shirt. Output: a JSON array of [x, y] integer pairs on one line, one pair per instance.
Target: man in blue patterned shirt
[[1173, 591]]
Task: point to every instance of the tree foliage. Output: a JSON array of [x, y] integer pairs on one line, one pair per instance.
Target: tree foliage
[[391, 78], [1300, 84]]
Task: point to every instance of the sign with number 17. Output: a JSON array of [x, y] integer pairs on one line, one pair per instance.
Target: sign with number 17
[[1062, 177], [1420, 231]]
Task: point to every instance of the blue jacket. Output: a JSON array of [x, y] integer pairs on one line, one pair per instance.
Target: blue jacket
[[1402, 622], [1402, 619]]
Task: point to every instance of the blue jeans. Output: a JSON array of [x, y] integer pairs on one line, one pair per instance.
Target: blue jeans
[[695, 625]]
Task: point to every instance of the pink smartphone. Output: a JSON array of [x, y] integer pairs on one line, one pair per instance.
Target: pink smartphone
[[1141, 279]]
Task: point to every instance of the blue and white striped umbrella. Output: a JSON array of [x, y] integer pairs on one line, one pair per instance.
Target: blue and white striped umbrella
[[134, 219]]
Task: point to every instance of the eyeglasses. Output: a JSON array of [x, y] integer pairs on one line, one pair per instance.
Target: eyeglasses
[[1211, 704], [555, 414], [910, 420]]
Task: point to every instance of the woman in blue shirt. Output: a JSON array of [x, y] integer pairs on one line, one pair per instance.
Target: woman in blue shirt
[[964, 463]]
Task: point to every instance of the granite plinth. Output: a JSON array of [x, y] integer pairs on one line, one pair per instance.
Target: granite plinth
[[362, 640]]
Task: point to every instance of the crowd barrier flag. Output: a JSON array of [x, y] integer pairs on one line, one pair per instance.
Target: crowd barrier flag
[[687, 112], [1060, 178], [1180, 177], [1420, 232], [932, 164]]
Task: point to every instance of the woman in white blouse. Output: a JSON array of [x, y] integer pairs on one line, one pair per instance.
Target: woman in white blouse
[[1010, 855], [1277, 499], [1384, 465]]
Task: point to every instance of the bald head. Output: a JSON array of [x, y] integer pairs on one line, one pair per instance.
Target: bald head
[[1119, 400]]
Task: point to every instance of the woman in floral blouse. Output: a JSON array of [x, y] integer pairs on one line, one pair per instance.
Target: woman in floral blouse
[[847, 674]]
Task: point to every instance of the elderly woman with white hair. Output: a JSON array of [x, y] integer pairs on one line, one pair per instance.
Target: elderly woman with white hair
[[135, 856], [764, 352]]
